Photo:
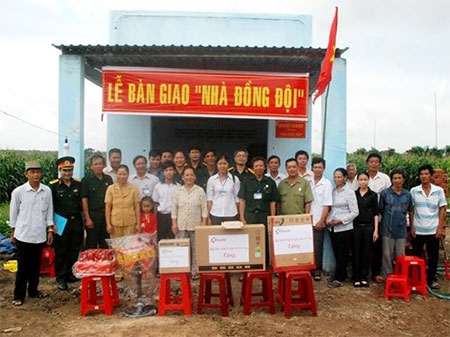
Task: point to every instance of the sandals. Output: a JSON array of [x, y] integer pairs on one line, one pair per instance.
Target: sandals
[[364, 284], [39, 295], [17, 303]]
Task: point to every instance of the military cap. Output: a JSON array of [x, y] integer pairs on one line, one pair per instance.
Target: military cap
[[65, 162]]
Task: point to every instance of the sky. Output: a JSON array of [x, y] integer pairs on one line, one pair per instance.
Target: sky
[[398, 65]]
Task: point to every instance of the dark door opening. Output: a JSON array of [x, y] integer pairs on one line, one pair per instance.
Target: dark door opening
[[224, 135]]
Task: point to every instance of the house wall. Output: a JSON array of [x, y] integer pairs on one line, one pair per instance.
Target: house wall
[[215, 29]]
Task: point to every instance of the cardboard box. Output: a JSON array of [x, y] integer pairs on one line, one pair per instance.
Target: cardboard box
[[230, 250], [174, 256], [291, 242]]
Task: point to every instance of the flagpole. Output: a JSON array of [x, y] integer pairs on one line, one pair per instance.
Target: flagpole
[[325, 75], [324, 121]]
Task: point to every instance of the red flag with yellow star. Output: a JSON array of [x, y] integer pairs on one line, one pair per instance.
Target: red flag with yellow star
[[328, 60]]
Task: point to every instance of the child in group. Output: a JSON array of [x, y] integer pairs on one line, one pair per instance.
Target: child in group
[[149, 224], [365, 230]]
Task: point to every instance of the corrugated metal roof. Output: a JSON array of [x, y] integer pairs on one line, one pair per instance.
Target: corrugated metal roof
[[269, 59]]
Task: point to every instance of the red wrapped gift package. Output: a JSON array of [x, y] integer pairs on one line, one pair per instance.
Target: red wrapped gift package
[[95, 262]]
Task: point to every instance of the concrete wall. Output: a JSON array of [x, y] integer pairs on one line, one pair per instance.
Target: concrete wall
[[71, 109], [216, 29]]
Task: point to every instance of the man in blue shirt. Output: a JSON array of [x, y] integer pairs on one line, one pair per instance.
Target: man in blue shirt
[[395, 203]]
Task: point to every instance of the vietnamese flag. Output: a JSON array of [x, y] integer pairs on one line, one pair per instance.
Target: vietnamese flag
[[327, 63]]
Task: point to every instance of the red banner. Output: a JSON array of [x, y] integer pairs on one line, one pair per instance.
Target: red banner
[[166, 92], [290, 129]]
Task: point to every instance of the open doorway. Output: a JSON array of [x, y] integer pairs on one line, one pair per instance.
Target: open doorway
[[224, 135]]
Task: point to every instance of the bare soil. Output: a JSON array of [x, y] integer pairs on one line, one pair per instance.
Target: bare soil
[[345, 311]]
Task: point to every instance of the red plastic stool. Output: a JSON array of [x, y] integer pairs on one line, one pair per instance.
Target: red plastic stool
[[413, 268], [247, 291], [169, 302], [90, 299], [48, 262], [281, 283], [396, 286], [225, 293], [301, 297], [447, 269]]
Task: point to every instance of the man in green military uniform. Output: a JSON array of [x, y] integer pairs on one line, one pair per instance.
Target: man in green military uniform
[[93, 190], [240, 168], [66, 193], [295, 191], [258, 197]]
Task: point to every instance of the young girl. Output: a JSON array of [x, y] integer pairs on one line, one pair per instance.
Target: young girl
[[365, 230], [149, 224]]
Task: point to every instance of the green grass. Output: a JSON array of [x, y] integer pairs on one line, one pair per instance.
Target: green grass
[[4, 215]]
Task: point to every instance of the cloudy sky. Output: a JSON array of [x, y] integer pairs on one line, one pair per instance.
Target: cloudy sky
[[398, 65]]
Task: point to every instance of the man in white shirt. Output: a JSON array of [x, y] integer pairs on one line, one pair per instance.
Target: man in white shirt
[[378, 181], [31, 222], [352, 181], [274, 164], [163, 198], [320, 206], [145, 182], [302, 158], [115, 159]]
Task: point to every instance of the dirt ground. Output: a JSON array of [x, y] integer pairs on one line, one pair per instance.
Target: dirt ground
[[343, 311]]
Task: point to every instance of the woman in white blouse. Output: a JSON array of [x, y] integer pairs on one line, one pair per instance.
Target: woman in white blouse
[[221, 194], [340, 225]]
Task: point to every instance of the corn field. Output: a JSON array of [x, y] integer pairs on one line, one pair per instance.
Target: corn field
[[12, 169], [409, 162]]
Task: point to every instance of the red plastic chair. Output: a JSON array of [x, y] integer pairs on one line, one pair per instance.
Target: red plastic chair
[[106, 301], [301, 297], [225, 293], [48, 262], [247, 293], [413, 269], [167, 301], [397, 286]]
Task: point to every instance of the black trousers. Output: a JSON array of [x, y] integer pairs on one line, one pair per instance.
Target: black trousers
[[29, 265], [95, 237], [362, 241], [376, 257], [164, 226], [318, 236], [432, 247], [67, 247], [341, 246]]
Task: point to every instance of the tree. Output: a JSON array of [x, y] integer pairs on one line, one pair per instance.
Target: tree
[[416, 151], [360, 152]]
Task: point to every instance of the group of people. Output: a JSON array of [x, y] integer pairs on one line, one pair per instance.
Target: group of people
[[169, 196], [371, 210]]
